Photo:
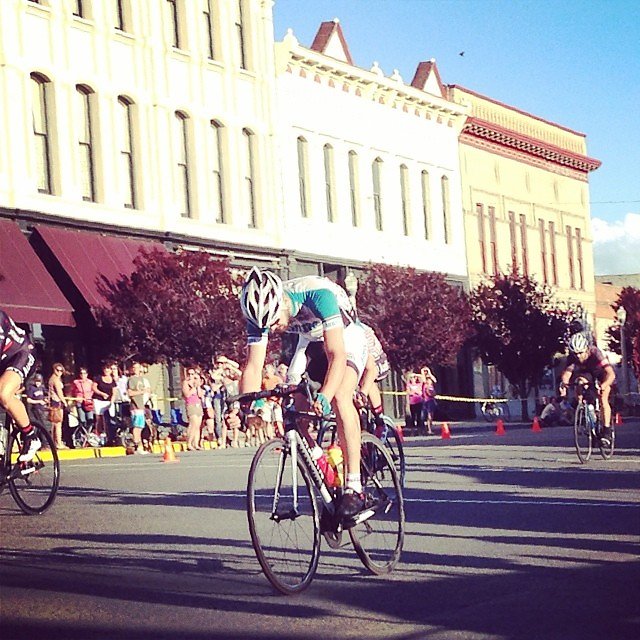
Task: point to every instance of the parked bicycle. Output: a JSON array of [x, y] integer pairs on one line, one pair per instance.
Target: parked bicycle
[[290, 504], [389, 434], [587, 426], [34, 484]]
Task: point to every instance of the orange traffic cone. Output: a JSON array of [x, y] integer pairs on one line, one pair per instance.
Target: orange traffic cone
[[169, 454], [445, 434], [500, 427], [536, 424]]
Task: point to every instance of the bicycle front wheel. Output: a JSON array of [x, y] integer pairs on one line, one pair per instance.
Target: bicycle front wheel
[[606, 446], [283, 517], [395, 447], [582, 434], [34, 484], [378, 540]]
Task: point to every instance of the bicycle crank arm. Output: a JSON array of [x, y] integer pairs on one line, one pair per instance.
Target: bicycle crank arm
[[292, 514]]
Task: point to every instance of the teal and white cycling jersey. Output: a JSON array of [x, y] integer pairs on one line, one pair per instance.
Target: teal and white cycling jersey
[[317, 305]]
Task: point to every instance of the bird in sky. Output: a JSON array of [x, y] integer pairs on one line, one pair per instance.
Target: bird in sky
[[461, 53]]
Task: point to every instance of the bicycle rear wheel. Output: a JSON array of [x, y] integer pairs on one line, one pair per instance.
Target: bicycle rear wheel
[[582, 434], [395, 447], [378, 540], [284, 522], [607, 447], [34, 484]]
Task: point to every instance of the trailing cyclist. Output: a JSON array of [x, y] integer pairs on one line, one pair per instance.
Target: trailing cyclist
[[16, 362], [314, 308], [583, 359]]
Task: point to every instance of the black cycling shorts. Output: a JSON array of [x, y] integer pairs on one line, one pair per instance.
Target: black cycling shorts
[[21, 362]]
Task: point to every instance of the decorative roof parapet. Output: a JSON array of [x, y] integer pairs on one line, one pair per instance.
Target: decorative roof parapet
[[477, 128]]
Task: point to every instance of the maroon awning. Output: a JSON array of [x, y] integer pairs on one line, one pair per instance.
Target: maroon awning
[[87, 257], [27, 292]]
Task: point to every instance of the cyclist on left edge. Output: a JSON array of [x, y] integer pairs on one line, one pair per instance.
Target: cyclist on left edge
[[312, 306], [16, 362]]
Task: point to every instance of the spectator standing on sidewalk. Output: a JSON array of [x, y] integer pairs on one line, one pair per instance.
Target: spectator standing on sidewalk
[[104, 395], [428, 398], [193, 394], [139, 392], [36, 400], [57, 404], [414, 399], [83, 393]]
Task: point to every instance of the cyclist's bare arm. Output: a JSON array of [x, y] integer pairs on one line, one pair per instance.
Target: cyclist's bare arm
[[251, 378]]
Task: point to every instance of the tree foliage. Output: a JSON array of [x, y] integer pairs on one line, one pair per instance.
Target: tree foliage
[[519, 327], [419, 318], [175, 307], [629, 298]]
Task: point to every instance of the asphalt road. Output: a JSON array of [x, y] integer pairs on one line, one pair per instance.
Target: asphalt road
[[507, 538]]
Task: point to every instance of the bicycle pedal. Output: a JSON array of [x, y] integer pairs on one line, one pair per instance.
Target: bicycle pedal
[[27, 471], [362, 516]]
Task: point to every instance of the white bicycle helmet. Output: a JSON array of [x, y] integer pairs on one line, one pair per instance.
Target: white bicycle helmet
[[578, 343], [261, 298]]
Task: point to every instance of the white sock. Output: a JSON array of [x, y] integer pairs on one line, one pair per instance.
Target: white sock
[[354, 482]]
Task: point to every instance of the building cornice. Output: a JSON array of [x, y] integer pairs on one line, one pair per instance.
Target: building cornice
[[477, 129]]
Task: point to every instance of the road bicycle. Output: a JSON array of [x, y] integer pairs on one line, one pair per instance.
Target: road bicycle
[[290, 505], [32, 484], [388, 433], [587, 425]]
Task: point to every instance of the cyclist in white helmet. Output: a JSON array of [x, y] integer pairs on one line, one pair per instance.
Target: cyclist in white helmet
[[583, 359], [312, 307]]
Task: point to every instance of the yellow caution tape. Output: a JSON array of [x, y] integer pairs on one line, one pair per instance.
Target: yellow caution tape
[[454, 398]]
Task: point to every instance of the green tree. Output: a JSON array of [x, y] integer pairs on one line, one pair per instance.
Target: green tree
[[419, 318], [180, 307], [629, 298], [519, 328]]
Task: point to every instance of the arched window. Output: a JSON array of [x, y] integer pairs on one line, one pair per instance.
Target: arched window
[[40, 89], [127, 164], [426, 203], [404, 196], [217, 170], [303, 175], [249, 176], [446, 213], [241, 36], [376, 170], [329, 186], [183, 194], [86, 159], [353, 188]]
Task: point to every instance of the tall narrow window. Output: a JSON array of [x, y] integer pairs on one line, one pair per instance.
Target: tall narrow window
[[303, 176], [523, 244], [84, 104], [579, 258], [241, 43], [127, 172], [207, 25], [426, 203], [446, 213], [217, 167], [543, 251], [481, 237], [353, 188], [121, 14], [329, 187], [404, 198], [514, 241], [174, 19], [78, 8], [493, 240], [552, 251], [377, 192], [249, 177], [41, 141], [183, 195], [572, 277]]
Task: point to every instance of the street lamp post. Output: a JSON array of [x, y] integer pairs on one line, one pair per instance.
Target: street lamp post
[[621, 315]]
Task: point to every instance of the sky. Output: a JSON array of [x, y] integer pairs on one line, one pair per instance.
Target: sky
[[573, 62]]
